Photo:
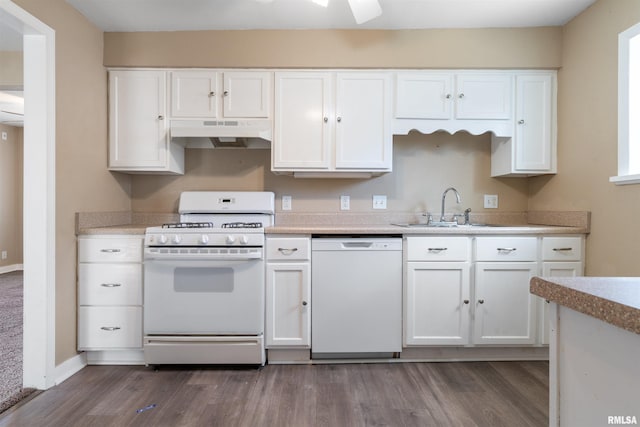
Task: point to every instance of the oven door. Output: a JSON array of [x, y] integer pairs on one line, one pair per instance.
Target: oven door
[[203, 297]]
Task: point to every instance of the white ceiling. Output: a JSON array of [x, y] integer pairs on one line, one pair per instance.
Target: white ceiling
[[179, 15]]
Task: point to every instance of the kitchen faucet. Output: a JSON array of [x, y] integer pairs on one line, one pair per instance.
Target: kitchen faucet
[[444, 195]]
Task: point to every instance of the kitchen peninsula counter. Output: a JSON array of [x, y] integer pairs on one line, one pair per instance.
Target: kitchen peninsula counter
[[593, 352]]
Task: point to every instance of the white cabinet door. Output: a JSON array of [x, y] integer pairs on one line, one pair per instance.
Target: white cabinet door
[[363, 121], [288, 305], [483, 96], [194, 94], [304, 121], [437, 303], [247, 94], [138, 136], [554, 269], [423, 95], [504, 308], [533, 148]]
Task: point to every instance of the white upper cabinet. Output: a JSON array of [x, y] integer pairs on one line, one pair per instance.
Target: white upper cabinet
[[138, 125], [476, 102], [303, 132], [332, 122], [532, 149], [215, 94], [194, 94]]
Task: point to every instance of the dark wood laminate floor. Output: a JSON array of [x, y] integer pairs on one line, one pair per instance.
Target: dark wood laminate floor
[[404, 394]]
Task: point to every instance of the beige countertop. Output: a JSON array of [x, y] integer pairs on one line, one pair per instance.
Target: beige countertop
[[523, 223], [615, 300], [525, 229]]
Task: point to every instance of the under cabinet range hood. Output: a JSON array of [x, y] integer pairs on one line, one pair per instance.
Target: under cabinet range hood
[[222, 133]]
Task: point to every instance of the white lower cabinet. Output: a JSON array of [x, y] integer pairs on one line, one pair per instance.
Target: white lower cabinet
[[437, 303], [288, 296], [109, 292], [505, 310], [562, 257]]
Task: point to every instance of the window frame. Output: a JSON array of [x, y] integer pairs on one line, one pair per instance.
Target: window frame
[[626, 40]]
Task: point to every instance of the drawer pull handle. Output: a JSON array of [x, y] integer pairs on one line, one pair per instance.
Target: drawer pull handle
[[110, 251], [111, 285], [110, 328], [509, 250], [437, 249], [562, 249], [287, 251]]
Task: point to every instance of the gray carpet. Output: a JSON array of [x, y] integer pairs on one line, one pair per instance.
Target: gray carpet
[[11, 391]]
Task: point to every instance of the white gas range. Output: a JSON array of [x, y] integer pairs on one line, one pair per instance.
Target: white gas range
[[204, 281]]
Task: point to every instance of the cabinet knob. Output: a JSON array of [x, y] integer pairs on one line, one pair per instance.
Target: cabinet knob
[[212, 94], [461, 96], [480, 301], [304, 303], [339, 119], [326, 119], [448, 96], [466, 301], [225, 93], [160, 117], [520, 122]]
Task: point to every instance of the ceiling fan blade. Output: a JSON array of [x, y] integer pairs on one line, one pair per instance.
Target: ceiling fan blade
[[365, 10]]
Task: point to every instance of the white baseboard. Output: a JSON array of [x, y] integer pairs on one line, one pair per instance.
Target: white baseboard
[[11, 268], [115, 357], [70, 367]]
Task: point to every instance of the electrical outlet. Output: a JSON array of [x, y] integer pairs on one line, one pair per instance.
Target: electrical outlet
[[379, 202], [491, 201], [4, 254], [345, 203], [4, 136], [286, 203]]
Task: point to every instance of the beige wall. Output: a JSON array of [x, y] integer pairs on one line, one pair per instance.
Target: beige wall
[[10, 69], [83, 183], [11, 195], [424, 165], [587, 140], [476, 48]]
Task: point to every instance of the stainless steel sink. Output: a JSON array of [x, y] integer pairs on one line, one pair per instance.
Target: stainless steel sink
[[446, 225]]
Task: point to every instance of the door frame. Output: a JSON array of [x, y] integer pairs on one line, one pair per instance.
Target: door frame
[[39, 202]]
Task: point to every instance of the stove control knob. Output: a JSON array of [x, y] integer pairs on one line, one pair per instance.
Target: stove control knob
[[176, 239], [231, 239], [244, 240], [204, 239], [162, 239]]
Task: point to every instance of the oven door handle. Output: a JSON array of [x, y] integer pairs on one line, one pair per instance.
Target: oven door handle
[[198, 263]]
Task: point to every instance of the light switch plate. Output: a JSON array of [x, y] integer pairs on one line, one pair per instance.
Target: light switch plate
[[286, 203], [345, 203], [379, 202], [491, 201]]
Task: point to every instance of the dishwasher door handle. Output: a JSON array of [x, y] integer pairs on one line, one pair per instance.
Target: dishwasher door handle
[[351, 245]]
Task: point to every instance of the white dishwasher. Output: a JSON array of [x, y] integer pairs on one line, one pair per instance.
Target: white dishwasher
[[356, 290]]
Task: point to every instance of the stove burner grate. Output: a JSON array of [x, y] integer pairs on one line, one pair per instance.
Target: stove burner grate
[[188, 225], [242, 225]]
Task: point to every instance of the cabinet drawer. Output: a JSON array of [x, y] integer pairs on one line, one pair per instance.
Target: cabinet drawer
[[562, 248], [105, 249], [288, 248], [506, 248], [109, 327], [109, 284], [438, 248]]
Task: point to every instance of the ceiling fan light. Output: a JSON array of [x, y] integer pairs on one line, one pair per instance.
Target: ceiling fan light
[[323, 3], [365, 10]]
